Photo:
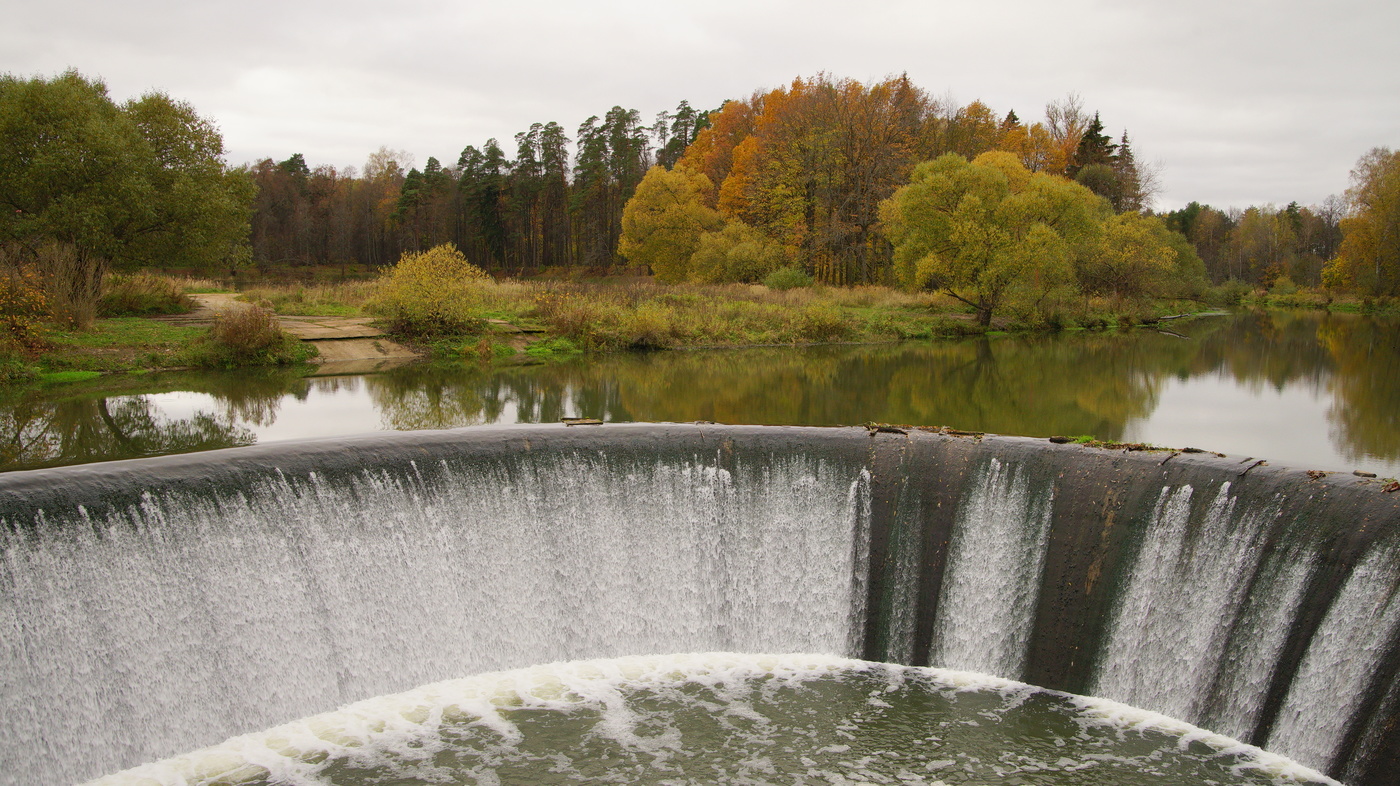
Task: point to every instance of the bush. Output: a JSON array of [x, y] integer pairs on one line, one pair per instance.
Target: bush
[[737, 253], [821, 322], [142, 294], [788, 278], [248, 336], [23, 308], [1283, 285], [432, 293], [1229, 293]]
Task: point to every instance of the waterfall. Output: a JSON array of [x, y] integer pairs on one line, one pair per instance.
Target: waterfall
[[1174, 618], [177, 622], [157, 606], [1334, 674], [986, 607]]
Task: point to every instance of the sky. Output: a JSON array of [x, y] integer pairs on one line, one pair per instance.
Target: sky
[[1235, 102]]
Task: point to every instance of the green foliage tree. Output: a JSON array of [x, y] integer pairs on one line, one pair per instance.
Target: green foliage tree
[[1133, 256], [981, 230], [142, 183], [663, 222], [1095, 147]]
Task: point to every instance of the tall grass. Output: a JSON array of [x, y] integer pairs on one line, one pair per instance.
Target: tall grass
[[142, 294], [342, 299], [248, 336]]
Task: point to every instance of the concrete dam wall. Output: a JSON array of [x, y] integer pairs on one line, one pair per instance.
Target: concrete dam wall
[[152, 607]]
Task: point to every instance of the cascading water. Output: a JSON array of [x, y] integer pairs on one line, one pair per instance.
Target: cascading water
[[986, 608], [148, 608], [1175, 616], [191, 618], [1360, 626]]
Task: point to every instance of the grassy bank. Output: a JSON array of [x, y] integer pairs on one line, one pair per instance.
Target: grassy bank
[[500, 320], [61, 353], [513, 321]]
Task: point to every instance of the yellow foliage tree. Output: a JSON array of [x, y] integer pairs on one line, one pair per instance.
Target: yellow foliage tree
[[980, 230], [663, 221], [1369, 259]]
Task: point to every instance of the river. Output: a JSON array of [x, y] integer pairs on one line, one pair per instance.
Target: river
[[1308, 390]]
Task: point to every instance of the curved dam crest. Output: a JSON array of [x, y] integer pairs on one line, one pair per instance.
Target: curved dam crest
[[156, 606]]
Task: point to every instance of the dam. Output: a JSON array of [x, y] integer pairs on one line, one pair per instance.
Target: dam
[[155, 606]]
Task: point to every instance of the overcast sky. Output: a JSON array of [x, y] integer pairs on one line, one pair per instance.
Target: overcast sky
[[1239, 102]]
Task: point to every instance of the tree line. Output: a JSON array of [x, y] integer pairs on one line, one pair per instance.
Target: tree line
[[793, 177], [806, 165], [545, 207]]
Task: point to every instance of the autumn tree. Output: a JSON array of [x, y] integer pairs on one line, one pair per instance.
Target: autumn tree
[[735, 253], [1135, 256], [1032, 144], [664, 220], [808, 164], [1369, 259], [1066, 121]]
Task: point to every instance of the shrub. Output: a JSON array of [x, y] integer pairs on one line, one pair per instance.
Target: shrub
[[1283, 285], [788, 278], [432, 293], [736, 253], [23, 307], [248, 336], [1229, 293], [141, 294], [821, 322]]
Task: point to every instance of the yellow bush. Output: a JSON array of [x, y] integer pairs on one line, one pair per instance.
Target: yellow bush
[[23, 308], [433, 292]]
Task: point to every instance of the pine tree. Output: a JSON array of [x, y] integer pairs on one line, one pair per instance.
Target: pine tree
[[1128, 194], [1095, 147]]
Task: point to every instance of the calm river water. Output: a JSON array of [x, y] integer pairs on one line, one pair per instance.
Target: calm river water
[[1307, 390]]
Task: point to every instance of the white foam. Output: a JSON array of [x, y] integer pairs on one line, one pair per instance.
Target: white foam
[[1128, 718], [404, 725]]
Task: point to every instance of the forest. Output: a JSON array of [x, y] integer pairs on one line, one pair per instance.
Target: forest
[[794, 176], [825, 178]]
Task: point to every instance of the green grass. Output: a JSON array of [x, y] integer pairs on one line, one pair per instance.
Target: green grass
[[125, 332], [60, 377], [553, 349]]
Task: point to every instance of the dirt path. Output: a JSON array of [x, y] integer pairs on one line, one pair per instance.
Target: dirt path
[[349, 344]]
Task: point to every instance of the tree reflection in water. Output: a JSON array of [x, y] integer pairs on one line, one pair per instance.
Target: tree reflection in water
[[1100, 384], [39, 430]]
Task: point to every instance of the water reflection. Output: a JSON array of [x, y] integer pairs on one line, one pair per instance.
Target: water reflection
[[1305, 389]]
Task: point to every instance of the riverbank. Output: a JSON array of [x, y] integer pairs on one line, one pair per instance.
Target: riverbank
[[1302, 388], [531, 321], [538, 321]]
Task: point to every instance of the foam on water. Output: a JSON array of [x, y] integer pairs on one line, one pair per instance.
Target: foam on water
[[191, 619], [726, 718]]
